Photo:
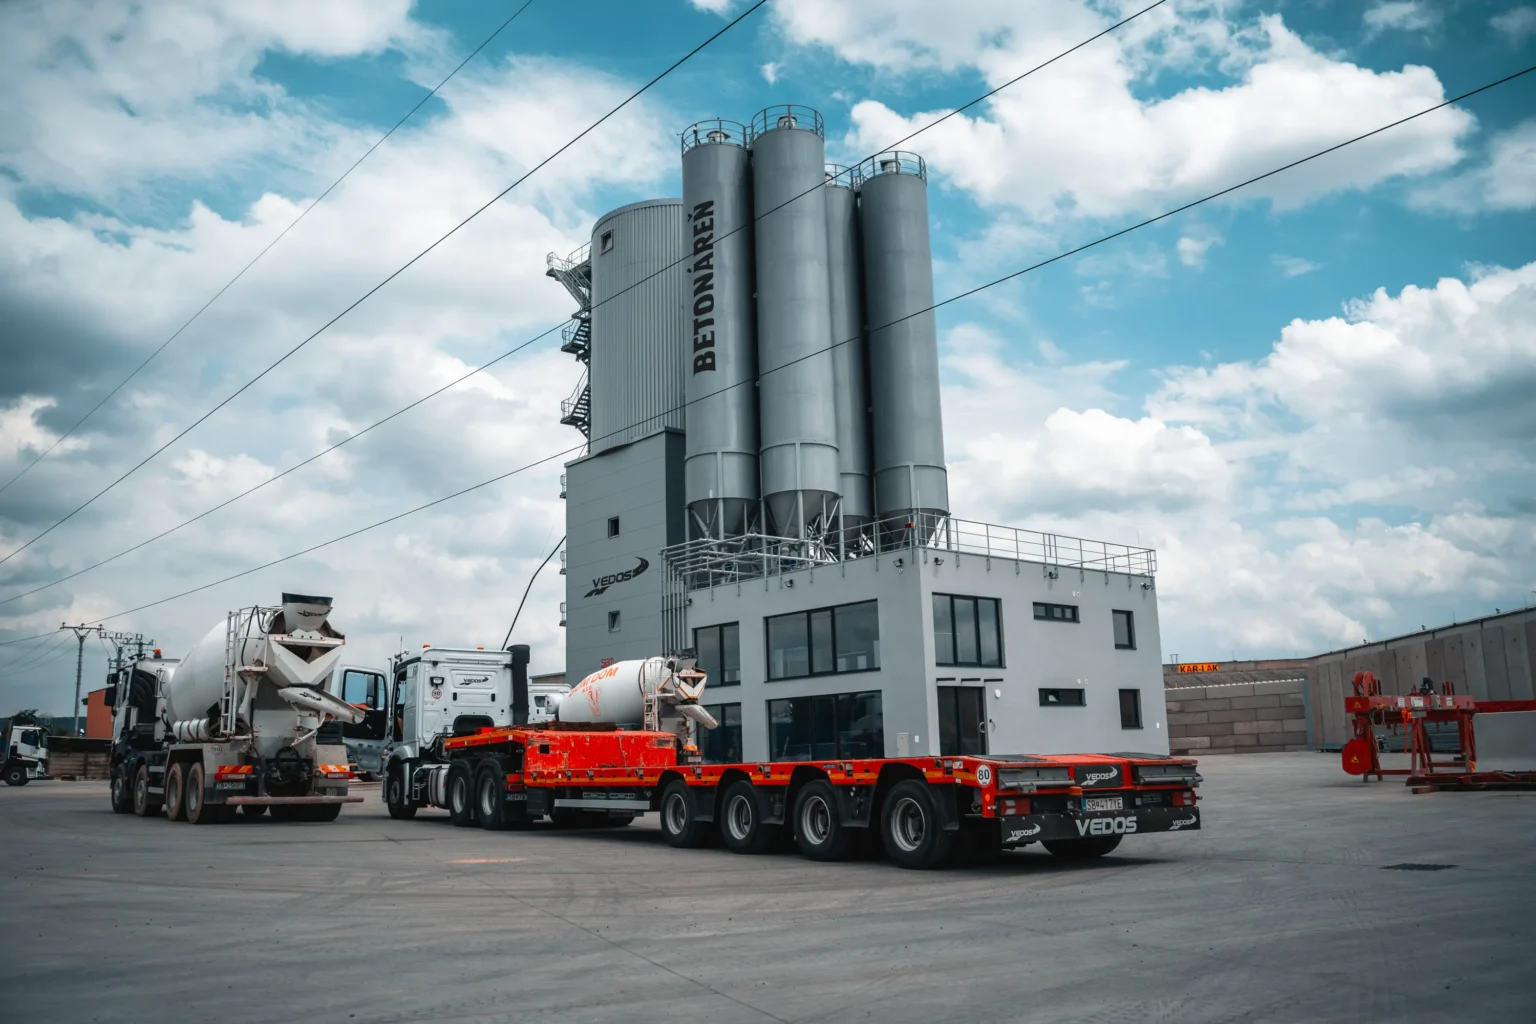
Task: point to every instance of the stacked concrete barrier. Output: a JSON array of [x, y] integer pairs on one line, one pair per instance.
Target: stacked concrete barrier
[[1235, 718]]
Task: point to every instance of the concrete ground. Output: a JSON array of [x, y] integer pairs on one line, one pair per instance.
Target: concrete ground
[[1282, 909]]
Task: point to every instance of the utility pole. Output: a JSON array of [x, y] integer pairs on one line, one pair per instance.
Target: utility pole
[[81, 632]]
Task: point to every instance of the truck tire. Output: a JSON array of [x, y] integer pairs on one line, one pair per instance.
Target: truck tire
[[122, 793], [461, 795], [176, 791], [397, 797], [318, 812], [1081, 849], [490, 798], [909, 824], [819, 830], [742, 827], [145, 804], [195, 800], [16, 775], [252, 811], [680, 817], [284, 812]]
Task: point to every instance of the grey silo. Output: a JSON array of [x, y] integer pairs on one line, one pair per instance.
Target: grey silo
[[719, 351], [848, 356], [907, 420], [637, 336], [797, 403]]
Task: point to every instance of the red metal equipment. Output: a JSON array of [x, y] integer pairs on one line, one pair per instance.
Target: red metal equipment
[[1370, 709]]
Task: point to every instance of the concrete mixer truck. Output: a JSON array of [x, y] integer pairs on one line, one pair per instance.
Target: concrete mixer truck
[[244, 723]]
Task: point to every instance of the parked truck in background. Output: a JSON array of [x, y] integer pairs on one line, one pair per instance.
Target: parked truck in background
[[26, 755], [243, 722]]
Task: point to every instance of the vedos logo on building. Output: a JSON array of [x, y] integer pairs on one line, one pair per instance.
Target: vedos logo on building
[[602, 583]]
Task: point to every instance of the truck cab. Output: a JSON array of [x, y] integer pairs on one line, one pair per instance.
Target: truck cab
[[26, 755], [364, 688]]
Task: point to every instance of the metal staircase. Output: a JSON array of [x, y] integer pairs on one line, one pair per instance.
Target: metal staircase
[[574, 272]]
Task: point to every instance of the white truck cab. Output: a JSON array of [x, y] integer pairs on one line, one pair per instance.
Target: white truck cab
[[26, 755], [364, 688]]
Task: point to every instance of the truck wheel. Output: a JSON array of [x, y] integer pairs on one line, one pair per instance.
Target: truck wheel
[[122, 793], [195, 800], [490, 805], [819, 829], [318, 812], [145, 805], [176, 792], [680, 817], [909, 824], [284, 812], [1081, 849], [461, 800], [741, 820], [396, 797], [16, 775]]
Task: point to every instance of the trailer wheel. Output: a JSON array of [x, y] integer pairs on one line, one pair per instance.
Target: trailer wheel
[[176, 791], [122, 793], [742, 827], [490, 800], [679, 817], [16, 775], [461, 801], [1081, 849], [145, 805], [909, 824], [195, 800], [396, 797], [819, 829]]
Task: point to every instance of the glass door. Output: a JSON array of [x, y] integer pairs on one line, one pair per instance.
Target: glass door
[[962, 721]]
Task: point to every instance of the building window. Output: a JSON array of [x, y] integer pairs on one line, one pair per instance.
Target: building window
[[825, 641], [967, 631], [605, 242], [613, 526], [719, 652], [839, 725], [1130, 709], [613, 622], [1061, 698], [722, 745], [1056, 612], [1125, 630]]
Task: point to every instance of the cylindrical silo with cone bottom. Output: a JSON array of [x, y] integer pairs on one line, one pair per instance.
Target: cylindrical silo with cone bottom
[[911, 484], [849, 372], [720, 351]]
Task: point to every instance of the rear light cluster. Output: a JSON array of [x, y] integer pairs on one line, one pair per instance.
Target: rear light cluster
[[233, 772], [1184, 798]]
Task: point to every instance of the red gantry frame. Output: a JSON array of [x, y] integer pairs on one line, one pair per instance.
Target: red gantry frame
[[1077, 802], [1370, 709]]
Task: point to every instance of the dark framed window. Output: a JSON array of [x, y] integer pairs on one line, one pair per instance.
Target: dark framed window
[[613, 526], [824, 641], [835, 725], [967, 631], [605, 242], [613, 622], [1062, 697], [1125, 630], [1130, 709], [722, 745], [719, 652], [1055, 612]]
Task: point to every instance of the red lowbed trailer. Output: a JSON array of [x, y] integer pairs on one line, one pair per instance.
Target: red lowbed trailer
[[924, 809]]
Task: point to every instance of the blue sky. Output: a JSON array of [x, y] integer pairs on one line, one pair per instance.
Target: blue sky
[[1314, 399]]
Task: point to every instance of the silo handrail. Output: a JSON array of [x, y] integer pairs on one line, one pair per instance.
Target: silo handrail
[[787, 115]]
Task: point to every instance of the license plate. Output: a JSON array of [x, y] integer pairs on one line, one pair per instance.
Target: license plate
[[1103, 803]]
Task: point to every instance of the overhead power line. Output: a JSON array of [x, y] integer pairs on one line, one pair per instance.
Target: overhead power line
[[255, 259], [394, 274], [528, 590], [32, 658], [543, 334], [937, 305]]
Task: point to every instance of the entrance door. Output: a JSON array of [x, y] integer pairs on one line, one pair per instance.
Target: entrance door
[[962, 721]]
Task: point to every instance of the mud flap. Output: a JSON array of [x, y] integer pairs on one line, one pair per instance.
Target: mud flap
[[855, 804], [944, 798]]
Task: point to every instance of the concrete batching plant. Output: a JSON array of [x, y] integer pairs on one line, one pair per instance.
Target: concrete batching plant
[[766, 485]]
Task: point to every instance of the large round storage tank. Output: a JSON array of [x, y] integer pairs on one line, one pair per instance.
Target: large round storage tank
[[797, 403], [907, 421], [719, 355], [848, 367], [636, 368]]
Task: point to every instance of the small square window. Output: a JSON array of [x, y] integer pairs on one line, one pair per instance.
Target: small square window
[[613, 622], [1125, 630], [1130, 709], [613, 527], [605, 242]]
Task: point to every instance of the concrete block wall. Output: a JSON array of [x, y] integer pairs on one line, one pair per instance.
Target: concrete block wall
[[1238, 717]]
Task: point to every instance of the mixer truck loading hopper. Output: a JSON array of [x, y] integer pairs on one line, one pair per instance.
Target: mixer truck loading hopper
[[923, 811], [244, 722]]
